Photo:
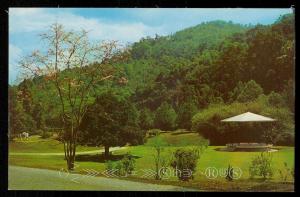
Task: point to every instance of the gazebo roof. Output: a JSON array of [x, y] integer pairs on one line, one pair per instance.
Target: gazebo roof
[[248, 117]]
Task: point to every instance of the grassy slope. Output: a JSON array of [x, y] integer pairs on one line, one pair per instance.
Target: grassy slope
[[210, 158]]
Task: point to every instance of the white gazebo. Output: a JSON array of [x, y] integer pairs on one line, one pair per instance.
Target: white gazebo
[[248, 117]]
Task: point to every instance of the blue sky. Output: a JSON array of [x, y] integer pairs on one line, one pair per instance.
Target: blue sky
[[124, 25]]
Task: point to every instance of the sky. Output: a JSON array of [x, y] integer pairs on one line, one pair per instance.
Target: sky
[[127, 25]]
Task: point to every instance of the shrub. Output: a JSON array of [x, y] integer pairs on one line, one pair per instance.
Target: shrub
[[124, 167], [128, 163], [185, 162], [261, 165], [286, 173]]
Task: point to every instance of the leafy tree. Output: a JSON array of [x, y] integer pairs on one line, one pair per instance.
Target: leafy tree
[[109, 122], [165, 117], [63, 64]]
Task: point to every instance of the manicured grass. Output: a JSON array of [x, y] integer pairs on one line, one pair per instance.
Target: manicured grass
[[144, 161], [216, 159], [36, 144]]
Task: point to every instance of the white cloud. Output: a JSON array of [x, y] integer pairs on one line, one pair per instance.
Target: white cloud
[[39, 19]]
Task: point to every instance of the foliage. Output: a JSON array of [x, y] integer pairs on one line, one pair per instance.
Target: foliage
[[286, 173], [146, 119], [124, 167], [46, 134], [185, 162], [110, 121], [249, 92], [208, 123], [128, 163], [166, 78], [165, 117], [276, 99], [185, 113], [261, 165], [63, 66]]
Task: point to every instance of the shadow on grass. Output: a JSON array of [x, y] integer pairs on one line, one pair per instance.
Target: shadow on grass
[[101, 158], [182, 132]]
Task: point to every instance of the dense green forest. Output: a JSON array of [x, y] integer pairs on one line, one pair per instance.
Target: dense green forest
[[189, 80]]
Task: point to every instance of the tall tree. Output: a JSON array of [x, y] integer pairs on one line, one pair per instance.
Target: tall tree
[[64, 63], [110, 121]]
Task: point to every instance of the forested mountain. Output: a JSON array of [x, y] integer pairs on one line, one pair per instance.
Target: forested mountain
[[213, 63], [151, 56]]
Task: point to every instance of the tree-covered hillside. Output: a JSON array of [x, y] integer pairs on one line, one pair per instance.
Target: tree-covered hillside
[[150, 56], [171, 79]]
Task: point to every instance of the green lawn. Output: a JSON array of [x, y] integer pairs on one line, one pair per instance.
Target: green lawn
[[36, 144], [144, 161]]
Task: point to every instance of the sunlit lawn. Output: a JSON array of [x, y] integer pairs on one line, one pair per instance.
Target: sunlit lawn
[[36, 144], [144, 161]]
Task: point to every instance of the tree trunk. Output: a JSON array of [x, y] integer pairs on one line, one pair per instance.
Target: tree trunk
[[70, 151], [70, 156], [106, 151]]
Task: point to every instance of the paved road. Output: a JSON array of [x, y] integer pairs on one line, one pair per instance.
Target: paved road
[[23, 178], [77, 153]]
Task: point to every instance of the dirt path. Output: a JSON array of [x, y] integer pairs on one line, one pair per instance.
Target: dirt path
[[23, 178], [77, 153]]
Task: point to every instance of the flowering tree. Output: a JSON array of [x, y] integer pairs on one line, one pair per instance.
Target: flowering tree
[[74, 66]]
